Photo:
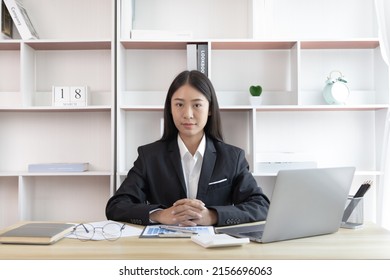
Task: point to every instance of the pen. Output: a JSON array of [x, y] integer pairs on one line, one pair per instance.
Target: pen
[[363, 189], [178, 229]]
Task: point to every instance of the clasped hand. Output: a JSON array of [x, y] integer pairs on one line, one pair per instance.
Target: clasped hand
[[186, 212]]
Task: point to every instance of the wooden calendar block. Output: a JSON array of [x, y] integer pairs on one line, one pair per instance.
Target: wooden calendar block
[[71, 96], [60, 95], [79, 95]]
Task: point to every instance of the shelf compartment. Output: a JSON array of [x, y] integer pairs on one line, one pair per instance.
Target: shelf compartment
[[149, 69], [45, 66], [10, 74], [275, 69], [359, 61], [237, 129], [332, 138], [202, 18], [76, 194], [137, 99], [72, 19], [325, 20], [135, 129], [9, 200], [40, 136]]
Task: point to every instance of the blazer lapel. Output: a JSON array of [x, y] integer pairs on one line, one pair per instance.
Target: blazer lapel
[[209, 159], [174, 155]]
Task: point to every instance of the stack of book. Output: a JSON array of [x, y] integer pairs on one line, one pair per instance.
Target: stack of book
[[58, 167]]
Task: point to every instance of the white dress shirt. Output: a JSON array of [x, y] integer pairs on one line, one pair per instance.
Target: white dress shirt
[[192, 165]]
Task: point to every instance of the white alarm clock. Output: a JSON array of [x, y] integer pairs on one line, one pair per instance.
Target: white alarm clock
[[336, 90]]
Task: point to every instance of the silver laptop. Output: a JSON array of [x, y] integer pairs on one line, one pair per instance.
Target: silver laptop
[[305, 202]]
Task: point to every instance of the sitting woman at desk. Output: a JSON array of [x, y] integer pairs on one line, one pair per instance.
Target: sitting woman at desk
[[190, 176]]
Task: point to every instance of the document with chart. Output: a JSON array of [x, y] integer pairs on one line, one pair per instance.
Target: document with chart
[[167, 231]]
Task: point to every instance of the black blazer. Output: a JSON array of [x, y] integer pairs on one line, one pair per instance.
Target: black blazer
[[156, 181]]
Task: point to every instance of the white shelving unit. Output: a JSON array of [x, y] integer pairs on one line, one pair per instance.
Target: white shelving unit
[[76, 47], [266, 42], [293, 118]]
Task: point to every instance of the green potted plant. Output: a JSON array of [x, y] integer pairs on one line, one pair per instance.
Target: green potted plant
[[255, 94]]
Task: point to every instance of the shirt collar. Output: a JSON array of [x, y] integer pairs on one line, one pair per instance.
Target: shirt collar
[[183, 149]]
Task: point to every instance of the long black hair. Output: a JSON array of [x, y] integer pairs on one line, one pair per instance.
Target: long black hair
[[202, 83]]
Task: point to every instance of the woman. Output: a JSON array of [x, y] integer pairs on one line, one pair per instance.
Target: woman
[[190, 176]]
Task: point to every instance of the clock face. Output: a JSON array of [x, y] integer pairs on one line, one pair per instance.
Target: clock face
[[339, 92], [336, 93]]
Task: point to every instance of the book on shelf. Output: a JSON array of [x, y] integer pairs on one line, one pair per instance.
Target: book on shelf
[[203, 58], [36, 233], [59, 167], [197, 57], [192, 60], [6, 22], [21, 19]]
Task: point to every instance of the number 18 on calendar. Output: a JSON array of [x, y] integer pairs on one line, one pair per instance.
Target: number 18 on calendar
[[72, 96]]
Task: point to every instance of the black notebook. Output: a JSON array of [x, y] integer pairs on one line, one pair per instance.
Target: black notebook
[[36, 233]]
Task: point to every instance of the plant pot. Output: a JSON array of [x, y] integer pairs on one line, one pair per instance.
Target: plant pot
[[255, 100]]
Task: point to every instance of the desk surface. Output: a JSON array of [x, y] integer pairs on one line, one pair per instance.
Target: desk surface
[[369, 242]]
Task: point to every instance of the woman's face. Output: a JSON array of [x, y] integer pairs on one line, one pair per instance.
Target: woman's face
[[190, 111]]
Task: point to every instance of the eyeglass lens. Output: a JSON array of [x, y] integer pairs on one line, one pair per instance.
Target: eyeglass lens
[[112, 231]]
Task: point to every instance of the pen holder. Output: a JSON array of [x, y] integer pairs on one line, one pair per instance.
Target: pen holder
[[353, 213]]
